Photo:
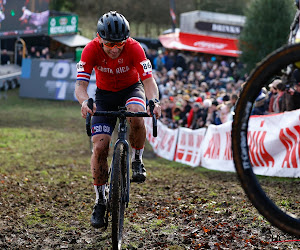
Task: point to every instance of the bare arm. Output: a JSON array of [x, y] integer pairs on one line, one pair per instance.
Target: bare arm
[[151, 92], [82, 96], [81, 91]]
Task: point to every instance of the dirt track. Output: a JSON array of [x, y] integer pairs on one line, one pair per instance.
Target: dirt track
[[46, 192], [177, 208]]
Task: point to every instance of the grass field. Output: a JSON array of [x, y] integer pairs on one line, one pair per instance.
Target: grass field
[[46, 192]]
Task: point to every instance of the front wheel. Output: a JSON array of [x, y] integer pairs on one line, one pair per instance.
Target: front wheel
[[276, 199], [118, 194]]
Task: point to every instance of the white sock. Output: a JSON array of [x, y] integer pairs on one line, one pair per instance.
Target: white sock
[[137, 154], [100, 193]]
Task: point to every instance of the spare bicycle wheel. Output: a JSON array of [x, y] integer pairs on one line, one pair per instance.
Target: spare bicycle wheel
[[256, 157]]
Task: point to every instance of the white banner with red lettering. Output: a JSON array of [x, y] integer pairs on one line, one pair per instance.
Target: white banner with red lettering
[[164, 145], [274, 143], [189, 146], [216, 148]]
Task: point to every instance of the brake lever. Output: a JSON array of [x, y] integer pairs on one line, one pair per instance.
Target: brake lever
[[154, 120], [88, 117]]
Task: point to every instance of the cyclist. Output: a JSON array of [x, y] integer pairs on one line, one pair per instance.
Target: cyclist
[[123, 78]]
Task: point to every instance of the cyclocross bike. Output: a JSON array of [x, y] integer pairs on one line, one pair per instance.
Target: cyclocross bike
[[284, 213], [119, 180]]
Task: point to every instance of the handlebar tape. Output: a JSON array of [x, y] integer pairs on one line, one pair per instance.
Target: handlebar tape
[[154, 120], [88, 117]]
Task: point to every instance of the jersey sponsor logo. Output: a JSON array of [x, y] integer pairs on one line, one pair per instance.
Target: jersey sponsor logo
[[210, 45], [57, 70], [80, 66], [120, 60], [101, 129], [147, 67]]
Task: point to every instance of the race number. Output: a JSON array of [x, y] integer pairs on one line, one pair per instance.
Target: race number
[[80, 66], [147, 66]]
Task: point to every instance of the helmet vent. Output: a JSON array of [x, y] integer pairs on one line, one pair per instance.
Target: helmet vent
[[109, 27], [117, 26]]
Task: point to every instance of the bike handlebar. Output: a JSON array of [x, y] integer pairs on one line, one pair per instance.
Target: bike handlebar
[[120, 113], [154, 120]]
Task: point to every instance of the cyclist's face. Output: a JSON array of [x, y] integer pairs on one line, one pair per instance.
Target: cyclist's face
[[113, 52]]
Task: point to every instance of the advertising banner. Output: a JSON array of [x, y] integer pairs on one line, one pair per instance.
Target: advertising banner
[[216, 148], [51, 79], [274, 144], [164, 145], [201, 43], [63, 25], [189, 145], [219, 28]]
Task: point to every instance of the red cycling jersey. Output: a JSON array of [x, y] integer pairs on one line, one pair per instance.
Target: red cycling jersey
[[114, 74]]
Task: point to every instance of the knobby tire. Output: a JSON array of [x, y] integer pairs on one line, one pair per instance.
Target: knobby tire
[[119, 184], [268, 68]]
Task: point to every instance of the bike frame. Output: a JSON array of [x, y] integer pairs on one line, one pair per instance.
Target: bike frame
[[122, 114]]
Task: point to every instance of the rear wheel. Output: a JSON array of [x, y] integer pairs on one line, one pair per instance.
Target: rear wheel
[[118, 194], [282, 213]]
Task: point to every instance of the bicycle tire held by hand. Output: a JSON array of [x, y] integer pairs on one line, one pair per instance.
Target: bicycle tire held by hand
[[280, 63]]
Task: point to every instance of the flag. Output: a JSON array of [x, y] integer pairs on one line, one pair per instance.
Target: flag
[[172, 13]]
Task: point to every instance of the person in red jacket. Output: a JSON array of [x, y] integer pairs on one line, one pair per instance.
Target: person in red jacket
[[123, 78]]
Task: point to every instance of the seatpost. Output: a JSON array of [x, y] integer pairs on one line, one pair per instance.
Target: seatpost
[[122, 125]]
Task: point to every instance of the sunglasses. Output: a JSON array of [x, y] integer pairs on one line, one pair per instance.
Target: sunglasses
[[111, 45]]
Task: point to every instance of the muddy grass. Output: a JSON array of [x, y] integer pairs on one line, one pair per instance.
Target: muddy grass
[[46, 195]]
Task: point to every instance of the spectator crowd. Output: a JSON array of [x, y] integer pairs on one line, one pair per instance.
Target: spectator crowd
[[198, 90], [39, 52]]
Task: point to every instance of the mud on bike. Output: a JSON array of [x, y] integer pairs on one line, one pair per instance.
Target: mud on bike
[[119, 180]]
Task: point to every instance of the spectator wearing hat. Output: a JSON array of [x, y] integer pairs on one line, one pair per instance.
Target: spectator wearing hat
[[260, 106]]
